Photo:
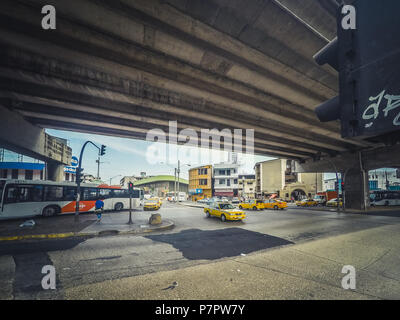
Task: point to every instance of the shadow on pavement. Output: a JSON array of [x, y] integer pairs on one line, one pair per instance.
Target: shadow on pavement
[[198, 244], [58, 224]]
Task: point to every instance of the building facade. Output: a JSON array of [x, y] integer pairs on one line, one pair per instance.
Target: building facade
[[160, 185], [125, 180], [278, 178], [383, 179], [226, 179], [247, 186], [200, 182], [22, 170]]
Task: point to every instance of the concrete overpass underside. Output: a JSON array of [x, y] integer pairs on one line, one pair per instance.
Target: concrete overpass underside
[[123, 67]]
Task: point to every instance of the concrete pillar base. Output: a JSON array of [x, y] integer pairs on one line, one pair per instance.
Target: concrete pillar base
[[55, 171], [356, 189]]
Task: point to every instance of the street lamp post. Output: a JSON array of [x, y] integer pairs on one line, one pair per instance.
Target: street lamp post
[[79, 173], [176, 173], [114, 177]]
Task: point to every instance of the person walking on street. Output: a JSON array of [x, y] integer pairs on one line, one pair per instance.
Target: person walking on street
[[99, 206]]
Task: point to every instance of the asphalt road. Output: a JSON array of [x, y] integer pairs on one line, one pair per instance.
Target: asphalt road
[[195, 240]]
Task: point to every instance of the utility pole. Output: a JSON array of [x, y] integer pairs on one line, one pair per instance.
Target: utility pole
[[79, 175], [179, 170], [98, 166], [175, 187], [387, 181]]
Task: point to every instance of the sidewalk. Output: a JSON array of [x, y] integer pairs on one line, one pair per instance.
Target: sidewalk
[[87, 226], [192, 204], [311, 270]]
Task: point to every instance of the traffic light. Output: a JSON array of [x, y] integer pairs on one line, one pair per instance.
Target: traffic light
[[79, 175], [103, 150], [130, 187], [366, 54]]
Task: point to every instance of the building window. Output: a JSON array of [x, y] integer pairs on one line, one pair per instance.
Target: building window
[[14, 174], [235, 181], [221, 181], [41, 175], [4, 174], [67, 176], [28, 174]]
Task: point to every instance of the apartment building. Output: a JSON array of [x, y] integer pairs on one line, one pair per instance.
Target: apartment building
[[226, 179], [200, 182], [247, 186], [278, 177]]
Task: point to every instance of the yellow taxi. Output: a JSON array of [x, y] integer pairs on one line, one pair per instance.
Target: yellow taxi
[[224, 211], [275, 204], [252, 204], [334, 203], [156, 199], [306, 203], [151, 205]]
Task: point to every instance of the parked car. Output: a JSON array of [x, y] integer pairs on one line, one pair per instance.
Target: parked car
[[252, 204], [224, 211], [320, 200], [274, 204], [306, 203], [334, 202], [235, 200]]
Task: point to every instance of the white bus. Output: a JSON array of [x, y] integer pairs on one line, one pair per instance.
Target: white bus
[[26, 198], [181, 196], [385, 198]]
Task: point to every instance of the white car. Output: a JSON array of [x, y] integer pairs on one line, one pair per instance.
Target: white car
[[235, 200]]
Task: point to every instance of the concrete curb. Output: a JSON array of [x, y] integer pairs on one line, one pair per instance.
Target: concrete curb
[[168, 226], [191, 205]]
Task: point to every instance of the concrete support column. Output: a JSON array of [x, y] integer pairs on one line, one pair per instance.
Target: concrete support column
[[356, 189], [55, 171]]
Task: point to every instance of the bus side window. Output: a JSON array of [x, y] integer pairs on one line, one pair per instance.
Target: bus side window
[[37, 193], [90, 194], [104, 193], [11, 195], [70, 193], [23, 193], [53, 193], [135, 194]]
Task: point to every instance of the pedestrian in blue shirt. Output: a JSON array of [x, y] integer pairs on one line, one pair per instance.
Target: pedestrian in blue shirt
[[99, 207]]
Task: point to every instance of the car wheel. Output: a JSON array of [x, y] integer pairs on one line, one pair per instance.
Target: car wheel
[[223, 218], [50, 211], [119, 206], [240, 207], [207, 214], [386, 203], [254, 208], [275, 207]]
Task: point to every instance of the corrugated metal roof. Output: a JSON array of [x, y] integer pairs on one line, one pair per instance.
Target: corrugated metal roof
[[158, 179]]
